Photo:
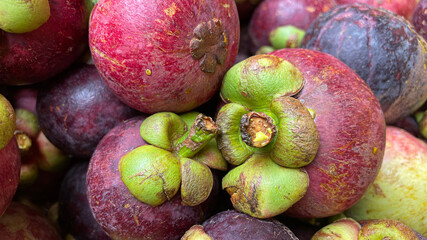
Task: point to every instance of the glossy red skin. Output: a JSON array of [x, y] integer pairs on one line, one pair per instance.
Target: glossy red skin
[[35, 56], [126, 38], [10, 166], [23, 222], [350, 123], [419, 18], [77, 109], [120, 214], [234, 225], [401, 7], [75, 216], [271, 14]]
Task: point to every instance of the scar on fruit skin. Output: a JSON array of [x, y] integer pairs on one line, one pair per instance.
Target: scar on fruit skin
[[209, 44]]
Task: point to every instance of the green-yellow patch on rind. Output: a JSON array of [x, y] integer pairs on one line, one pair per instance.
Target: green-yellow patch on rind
[[257, 80], [7, 121], [21, 16], [262, 189], [151, 174]]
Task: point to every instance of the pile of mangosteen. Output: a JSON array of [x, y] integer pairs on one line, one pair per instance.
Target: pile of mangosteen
[[213, 119]]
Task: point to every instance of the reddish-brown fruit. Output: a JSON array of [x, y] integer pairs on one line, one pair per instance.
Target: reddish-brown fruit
[[164, 55], [23, 222], [271, 14], [351, 130], [10, 165], [38, 55], [119, 213]]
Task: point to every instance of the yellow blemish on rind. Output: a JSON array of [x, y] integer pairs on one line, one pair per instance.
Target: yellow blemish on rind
[[171, 10], [148, 72], [375, 150], [136, 220], [188, 91]]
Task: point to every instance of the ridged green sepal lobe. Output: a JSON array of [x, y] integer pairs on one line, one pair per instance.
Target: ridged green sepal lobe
[[261, 188], [161, 129], [257, 80], [151, 174], [197, 182], [297, 140], [234, 150]]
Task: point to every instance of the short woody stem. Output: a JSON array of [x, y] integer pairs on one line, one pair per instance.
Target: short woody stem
[[200, 133], [257, 129]]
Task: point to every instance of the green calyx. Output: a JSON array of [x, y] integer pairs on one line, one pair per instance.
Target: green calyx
[[256, 81], [154, 173], [268, 134], [7, 120], [261, 188], [151, 174], [286, 37], [21, 16], [263, 117]]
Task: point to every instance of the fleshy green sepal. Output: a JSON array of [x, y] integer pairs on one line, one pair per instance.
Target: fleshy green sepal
[[197, 182], [261, 188], [151, 174], [257, 80]]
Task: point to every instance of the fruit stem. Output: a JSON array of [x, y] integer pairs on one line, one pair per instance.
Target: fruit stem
[[257, 129], [23, 140], [201, 132]]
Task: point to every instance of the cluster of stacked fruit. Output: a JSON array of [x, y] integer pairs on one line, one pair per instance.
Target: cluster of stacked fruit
[[214, 119]]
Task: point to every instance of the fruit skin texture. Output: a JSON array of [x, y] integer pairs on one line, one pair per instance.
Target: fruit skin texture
[[399, 190], [75, 215], [119, 213], [77, 109], [38, 55], [419, 18], [231, 224], [23, 222], [383, 49], [351, 131], [144, 51], [401, 7], [271, 14], [10, 166]]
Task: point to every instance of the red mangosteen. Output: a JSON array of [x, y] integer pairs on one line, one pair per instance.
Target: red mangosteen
[[164, 55]]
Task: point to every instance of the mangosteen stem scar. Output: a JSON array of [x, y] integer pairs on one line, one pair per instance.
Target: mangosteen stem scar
[[201, 132], [257, 129]]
